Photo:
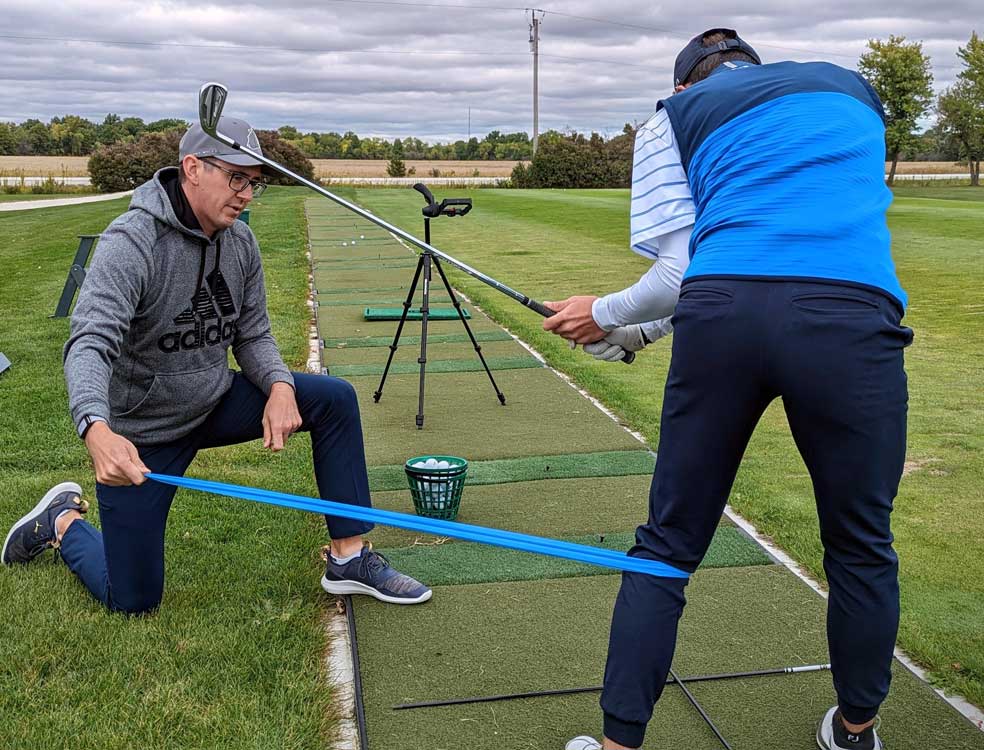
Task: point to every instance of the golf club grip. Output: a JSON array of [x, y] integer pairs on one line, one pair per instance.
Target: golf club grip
[[546, 312]]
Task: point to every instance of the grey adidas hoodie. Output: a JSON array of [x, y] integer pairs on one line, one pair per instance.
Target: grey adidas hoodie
[[160, 307]]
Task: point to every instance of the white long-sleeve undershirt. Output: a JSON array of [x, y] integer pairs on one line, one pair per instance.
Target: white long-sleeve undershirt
[[651, 299]]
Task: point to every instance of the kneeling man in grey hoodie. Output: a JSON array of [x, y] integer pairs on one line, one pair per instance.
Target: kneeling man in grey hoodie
[[175, 283]]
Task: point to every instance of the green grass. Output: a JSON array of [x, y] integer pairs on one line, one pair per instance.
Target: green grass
[[12, 198], [234, 657], [551, 244]]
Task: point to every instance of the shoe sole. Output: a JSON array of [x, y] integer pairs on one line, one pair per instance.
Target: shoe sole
[[42, 504], [354, 587]]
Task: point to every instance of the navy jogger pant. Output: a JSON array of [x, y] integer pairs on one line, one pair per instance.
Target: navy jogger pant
[[123, 566], [833, 354]]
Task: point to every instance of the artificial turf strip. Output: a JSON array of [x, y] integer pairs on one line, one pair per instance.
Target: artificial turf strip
[[457, 563], [529, 468], [552, 508], [360, 290], [332, 302], [496, 638], [463, 417], [437, 338], [414, 313], [440, 366], [410, 352]]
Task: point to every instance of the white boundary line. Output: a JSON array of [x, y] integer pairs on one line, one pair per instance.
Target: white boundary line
[[339, 669], [969, 711]]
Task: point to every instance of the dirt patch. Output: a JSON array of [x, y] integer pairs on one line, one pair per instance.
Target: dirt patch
[[923, 464]]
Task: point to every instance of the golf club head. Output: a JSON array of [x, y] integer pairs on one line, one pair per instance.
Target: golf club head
[[211, 100]]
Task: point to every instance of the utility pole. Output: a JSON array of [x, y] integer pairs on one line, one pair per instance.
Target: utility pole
[[535, 47]]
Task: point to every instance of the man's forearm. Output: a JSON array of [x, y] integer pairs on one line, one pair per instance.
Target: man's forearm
[[655, 294]]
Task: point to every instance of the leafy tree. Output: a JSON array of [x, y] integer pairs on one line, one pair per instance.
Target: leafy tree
[[396, 167], [168, 123], [961, 108], [127, 164], [900, 73], [8, 137], [72, 135], [33, 137], [285, 153]]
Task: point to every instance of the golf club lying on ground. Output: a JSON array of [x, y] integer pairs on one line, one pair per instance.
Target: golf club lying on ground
[[597, 688], [211, 100]]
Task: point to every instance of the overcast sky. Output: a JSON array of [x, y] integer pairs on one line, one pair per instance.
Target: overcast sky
[[402, 68]]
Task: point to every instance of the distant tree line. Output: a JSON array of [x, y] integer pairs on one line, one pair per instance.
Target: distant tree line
[[76, 136]]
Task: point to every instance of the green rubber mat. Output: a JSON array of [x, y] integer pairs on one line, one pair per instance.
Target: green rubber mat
[[395, 313], [529, 468], [438, 338], [495, 638], [455, 563], [437, 366]]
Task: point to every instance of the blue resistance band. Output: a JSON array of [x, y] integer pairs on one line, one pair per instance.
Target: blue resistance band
[[509, 539]]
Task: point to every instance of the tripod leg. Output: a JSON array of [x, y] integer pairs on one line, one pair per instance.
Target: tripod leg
[[461, 315], [424, 314], [399, 329]]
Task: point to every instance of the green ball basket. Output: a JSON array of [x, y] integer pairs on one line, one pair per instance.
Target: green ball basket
[[436, 493]]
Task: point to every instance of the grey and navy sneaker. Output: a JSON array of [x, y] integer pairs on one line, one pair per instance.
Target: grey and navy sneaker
[[370, 573], [35, 532], [833, 735], [583, 742]]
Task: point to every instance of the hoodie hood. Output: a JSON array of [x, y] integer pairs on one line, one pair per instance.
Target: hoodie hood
[[154, 198]]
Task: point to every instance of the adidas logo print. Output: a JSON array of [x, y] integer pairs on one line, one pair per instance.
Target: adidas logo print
[[209, 305]]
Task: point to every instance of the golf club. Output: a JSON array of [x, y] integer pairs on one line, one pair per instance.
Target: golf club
[[597, 688], [211, 100]]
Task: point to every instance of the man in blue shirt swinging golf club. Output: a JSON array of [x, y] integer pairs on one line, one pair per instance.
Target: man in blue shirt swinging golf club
[[758, 192]]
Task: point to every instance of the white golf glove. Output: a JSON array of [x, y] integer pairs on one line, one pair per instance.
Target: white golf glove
[[617, 342]]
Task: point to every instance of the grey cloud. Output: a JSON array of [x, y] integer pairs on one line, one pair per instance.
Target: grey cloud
[[376, 69]]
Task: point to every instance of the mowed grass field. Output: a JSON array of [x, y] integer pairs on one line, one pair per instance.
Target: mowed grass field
[[551, 244], [234, 659]]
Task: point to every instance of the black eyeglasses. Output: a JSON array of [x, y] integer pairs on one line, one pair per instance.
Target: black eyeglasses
[[238, 182]]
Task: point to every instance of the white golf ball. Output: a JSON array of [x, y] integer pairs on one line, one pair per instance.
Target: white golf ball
[[353, 242], [344, 244], [443, 465], [362, 236]]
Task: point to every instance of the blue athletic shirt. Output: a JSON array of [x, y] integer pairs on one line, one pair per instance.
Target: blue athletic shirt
[[786, 165]]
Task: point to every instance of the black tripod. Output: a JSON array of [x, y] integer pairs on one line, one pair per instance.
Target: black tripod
[[426, 259]]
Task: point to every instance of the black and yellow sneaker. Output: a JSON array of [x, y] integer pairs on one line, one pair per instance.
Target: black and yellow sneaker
[[35, 532]]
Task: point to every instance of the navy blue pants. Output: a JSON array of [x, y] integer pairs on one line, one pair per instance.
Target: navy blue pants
[[833, 354], [123, 566]]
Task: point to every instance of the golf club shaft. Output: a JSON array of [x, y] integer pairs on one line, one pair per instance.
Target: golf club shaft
[[518, 296], [597, 688], [700, 709], [532, 304]]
